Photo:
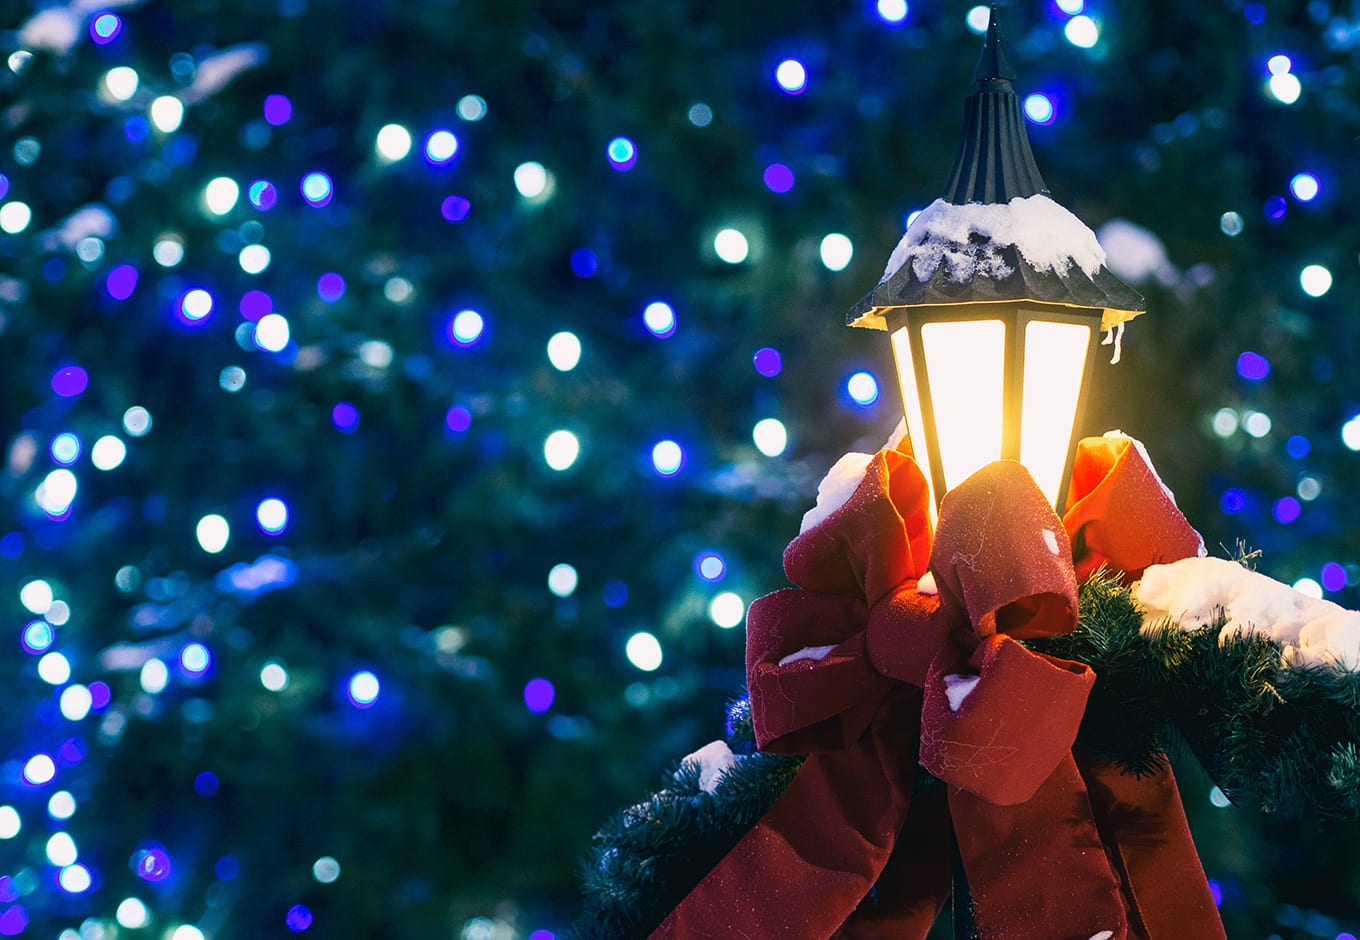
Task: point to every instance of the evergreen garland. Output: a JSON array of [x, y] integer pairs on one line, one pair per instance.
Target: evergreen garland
[[1285, 734]]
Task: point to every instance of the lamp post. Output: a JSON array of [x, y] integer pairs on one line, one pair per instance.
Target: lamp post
[[994, 299]]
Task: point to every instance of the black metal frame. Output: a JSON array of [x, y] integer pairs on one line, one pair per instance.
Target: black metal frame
[[1015, 317]]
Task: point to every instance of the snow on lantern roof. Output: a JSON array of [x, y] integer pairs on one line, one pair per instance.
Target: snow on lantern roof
[[996, 236]]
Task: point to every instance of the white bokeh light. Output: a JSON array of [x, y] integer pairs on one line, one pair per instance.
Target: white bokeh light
[[393, 143], [727, 609], [731, 246], [770, 436], [213, 532], [836, 251], [561, 449], [564, 351], [644, 651]]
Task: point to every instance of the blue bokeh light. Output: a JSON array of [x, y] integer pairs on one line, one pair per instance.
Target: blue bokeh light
[[1275, 208], [363, 689], [584, 263], [1333, 576], [466, 327], [298, 918], [862, 388], [659, 318], [1286, 510], [1297, 446], [622, 154], [779, 178], [1039, 108], [1232, 501], [1253, 366], [768, 362], [710, 566], [539, 695], [151, 863], [105, 28], [317, 188], [791, 76], [345, 417], [263, 195], [1305, 187], [455, 208]]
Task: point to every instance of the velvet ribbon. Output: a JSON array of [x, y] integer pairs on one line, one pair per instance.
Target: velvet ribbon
[[870, 669]]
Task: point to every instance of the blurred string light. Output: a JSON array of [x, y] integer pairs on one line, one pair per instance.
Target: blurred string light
[[1286, 510], [710, 566], [195, 306], [54, 669], [262, 194], [195, 659], [105, 28], [345, 417], [364, 689], [65, 448], [133, 914], [37, 596], [1315, 280], [727, 609], [700, 114], [56, 493], [836, 251], [108, 453], [471, 108], [316, 188], [61, 805], [892, 11], [213, 533], [1304, 186], [1230, 224], [667, 458], [1282, 85], [977, 19], [154, 677], [61, 849], [563, 580], [1070, 7], [770, 436], [532, 180], [441, 146], [14, 217], [1039, 108], [273, 676], [11, 823], [220, 195], [564, 351], [539, 695], [466, 327], [1082, 32], [326, 870], [272, 333], [120, 82], [39, 770], [70, 381], [1308, 587], [731, 246], [1297, 446], [791, 76], [1256, 423], [272, 515], [659, 318], [393, 143], [643, 651], [75, 702], [277, 109], [622, 154], [778, 178], [862, 388], [167, 114], [768, 362], [1253, 366], [254, 259], [560, 450], [168, 251], [1350, 436]]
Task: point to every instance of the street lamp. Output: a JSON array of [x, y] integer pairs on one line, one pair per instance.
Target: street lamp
[[994, 298]]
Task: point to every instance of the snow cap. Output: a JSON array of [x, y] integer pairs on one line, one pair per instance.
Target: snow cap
[[995, 236]]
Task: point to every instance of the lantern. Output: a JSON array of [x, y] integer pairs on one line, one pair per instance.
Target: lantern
[[995, 298]]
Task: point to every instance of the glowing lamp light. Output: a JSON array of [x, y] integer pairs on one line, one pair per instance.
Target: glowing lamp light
[[791, 75], [995, 364], [363, 689]]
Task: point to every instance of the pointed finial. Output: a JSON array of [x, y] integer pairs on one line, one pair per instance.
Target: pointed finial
[[993, 64]]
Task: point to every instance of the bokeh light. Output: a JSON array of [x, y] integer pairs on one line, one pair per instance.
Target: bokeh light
[[563, 580], [1305, 187], [213, 532], [731, 246], [1315, 280], [727, 610], [659, 318], [364, 689], [1253, 366], [770, 436], [564, 351], [622, 154], [1284, 87], [1082, 32], [768, 361], [1039, 108], [862, 388], [272, 515], [278, 109], [667, 458], [791, 76], [393, 143], [836, 251], [644, 651], [441, 146], [316, 188], [892, 11], [778, 178], [466, 327], [531, 179], [560, 449], [539, 695]]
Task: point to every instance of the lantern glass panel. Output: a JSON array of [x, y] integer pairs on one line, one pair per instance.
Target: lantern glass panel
[[966, 368], [1055, 362], [911, 399]]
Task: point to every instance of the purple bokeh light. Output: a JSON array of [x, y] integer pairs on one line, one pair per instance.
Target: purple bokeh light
[[345, 417], [455, 208], [278, 109], [330, 287], [255, 304], [1253, 366], [768, 362], [151, 863], [70, 381], [539, 695], [1333, 576], [121, 282], [458, 419], [779, 178], [299, 918]]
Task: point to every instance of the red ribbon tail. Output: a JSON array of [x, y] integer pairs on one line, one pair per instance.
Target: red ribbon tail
[[1038, 868], [827, 837], [915, 884], [1143, 825]]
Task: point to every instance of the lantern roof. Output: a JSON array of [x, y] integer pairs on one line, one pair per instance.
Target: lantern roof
[[996, 236]]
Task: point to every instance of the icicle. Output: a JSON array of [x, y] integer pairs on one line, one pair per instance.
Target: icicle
[[1115, 335]]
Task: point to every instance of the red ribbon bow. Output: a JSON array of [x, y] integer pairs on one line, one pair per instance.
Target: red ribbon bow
[[856, 669]]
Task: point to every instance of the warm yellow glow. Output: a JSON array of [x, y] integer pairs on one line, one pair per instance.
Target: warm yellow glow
[[1055, 359], [911, 400], [965, 361]]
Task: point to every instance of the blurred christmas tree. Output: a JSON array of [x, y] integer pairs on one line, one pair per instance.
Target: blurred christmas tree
[[402, 402]]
